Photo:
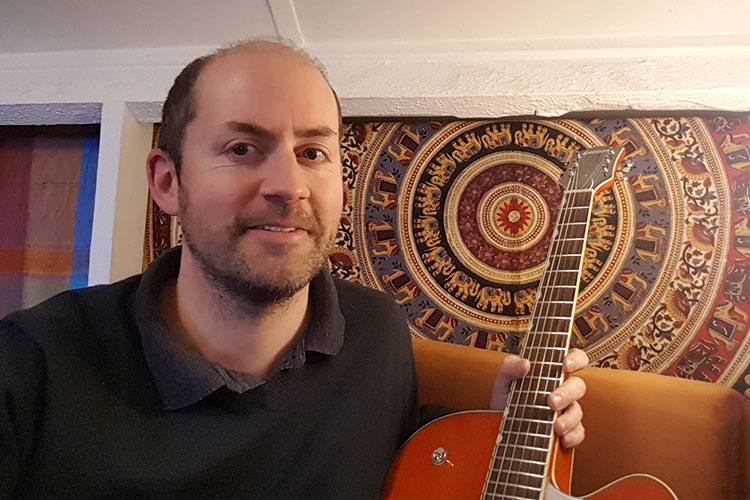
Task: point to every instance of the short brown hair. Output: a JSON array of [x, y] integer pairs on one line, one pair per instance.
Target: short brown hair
[[179, 108]]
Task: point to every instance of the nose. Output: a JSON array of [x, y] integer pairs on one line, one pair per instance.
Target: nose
[[283, 177]]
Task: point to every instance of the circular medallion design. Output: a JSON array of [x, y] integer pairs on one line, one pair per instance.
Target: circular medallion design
[[454, 220]]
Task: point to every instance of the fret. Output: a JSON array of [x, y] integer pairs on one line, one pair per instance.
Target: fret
[[539, 386], [518, 458], [566, 318], [536, 377], [541, 407], [527, 442], [543, 387], [528, 350], [520, 425], [550, 320], [524, 462], [533, 398], [532, 420], [550, 333], [566, 246], [516, 485], [569, 275], [506, 456], [562, 278], [494, 477], [564, 240], [518, 464], [564, 293], [529, 474], [566, 262], [542, 414], [505, 496], [573, 229], [569, 204], [540, 330], [547, 369], [535, 354], [552, 325], [556, 308], [530, 489]]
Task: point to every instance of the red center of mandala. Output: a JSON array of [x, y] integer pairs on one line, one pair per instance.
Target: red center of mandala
[[513, 216], [497, 221]]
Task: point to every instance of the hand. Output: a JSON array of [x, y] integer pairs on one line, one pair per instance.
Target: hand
[[565, 398]]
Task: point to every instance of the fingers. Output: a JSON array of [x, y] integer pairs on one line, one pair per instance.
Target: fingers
[[569, 428], [575, 360], [569, 392], [573, 438], [512, 368]]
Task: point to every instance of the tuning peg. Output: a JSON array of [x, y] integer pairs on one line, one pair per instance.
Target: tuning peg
[[576, 160], [627, 166]]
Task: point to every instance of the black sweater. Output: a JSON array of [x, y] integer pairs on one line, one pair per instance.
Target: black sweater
[[81, 416]]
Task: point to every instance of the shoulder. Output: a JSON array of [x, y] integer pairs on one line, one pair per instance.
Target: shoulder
[[368, 302]]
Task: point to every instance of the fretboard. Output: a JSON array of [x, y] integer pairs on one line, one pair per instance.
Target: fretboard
[[521, 458]]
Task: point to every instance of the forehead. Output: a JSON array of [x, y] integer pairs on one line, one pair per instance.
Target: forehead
[[273, 87]]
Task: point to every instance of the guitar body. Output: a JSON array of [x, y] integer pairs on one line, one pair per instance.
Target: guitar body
[[468, 439]]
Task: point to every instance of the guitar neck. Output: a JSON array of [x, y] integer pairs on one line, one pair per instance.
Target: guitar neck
[[521, 460]]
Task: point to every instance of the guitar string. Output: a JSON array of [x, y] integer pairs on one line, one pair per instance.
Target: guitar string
[[563, 243], [511, 445], [535, 347], [548, 325], [564, 218], [553, 280]]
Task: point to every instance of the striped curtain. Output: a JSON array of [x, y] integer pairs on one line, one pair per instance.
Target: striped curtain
[[47, 187]]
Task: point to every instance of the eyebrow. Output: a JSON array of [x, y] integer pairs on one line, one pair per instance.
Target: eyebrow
[[258, 130]]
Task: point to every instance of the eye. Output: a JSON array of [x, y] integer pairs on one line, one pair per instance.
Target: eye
[[313, 154], [240, 149]]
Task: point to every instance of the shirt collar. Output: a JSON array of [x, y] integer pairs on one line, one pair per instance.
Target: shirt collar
[[184, 377]]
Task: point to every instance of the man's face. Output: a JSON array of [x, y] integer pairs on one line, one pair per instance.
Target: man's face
[[260, 193]]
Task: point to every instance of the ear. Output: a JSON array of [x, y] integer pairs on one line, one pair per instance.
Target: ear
[[162, 180]]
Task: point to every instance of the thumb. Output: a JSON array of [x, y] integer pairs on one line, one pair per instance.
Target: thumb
[[512, 368]]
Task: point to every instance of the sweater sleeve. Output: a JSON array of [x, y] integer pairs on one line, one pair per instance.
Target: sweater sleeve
[[22, 376]]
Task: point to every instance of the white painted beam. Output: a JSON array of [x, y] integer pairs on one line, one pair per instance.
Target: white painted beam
[[102, 227], [285, 20], [121, 191]]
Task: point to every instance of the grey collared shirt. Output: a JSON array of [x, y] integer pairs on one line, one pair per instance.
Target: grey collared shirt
[[184, 377]]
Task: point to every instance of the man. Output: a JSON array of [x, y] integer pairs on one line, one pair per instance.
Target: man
[[236, 365]]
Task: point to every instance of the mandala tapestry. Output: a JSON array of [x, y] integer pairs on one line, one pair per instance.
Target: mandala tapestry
[[453, 219]]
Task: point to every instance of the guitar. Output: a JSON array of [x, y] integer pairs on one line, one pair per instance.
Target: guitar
[[515, 455]]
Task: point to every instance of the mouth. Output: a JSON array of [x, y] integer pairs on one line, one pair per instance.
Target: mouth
[[277, 229]]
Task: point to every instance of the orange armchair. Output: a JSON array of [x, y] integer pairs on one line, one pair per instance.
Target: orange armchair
[[692, 435]]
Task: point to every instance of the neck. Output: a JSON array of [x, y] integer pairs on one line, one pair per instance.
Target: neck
[[248, 339]]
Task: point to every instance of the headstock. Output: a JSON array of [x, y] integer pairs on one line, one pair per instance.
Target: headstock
[[593, 169]]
